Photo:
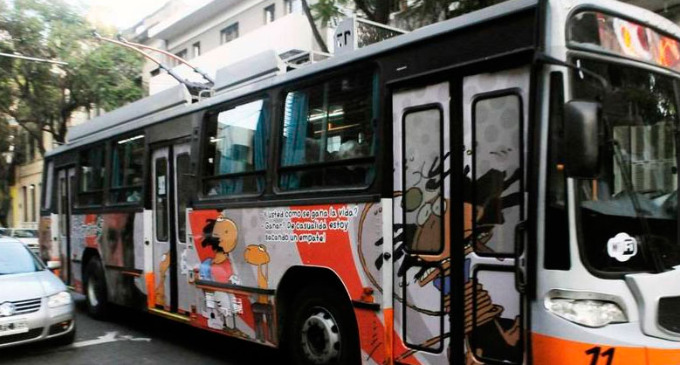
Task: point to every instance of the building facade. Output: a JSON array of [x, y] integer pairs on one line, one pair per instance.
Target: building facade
[[219, 33]]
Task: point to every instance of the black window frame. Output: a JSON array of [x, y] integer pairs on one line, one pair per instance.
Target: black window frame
[[105, 165], [370, 69], [109, 175], [516, 92], [268, 104], [442, 234]]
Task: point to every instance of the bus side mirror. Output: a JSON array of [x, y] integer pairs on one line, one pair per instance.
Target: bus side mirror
[[581, 139]]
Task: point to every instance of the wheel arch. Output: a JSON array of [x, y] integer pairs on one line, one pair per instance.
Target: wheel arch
[[295, 280], [88, 254]]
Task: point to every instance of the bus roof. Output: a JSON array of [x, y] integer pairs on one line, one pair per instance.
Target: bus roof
[[171, 103]]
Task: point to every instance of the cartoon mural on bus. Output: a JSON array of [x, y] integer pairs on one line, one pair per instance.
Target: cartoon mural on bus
[[113, 236], [263, 309], [220, 235]]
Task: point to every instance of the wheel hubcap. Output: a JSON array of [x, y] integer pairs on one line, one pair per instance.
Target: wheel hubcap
[[320, 337], [92, 293]]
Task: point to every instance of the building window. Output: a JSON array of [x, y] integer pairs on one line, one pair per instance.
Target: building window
[[127, 170], [181, 54], [229, 33], [291, 6], [236, 153], [24, 191], [269, 15], [329, 134], [196, 48], [32, 188]]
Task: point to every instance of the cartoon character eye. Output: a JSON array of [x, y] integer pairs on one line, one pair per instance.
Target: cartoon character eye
[[439, 207], [412, 199], [423, 213]]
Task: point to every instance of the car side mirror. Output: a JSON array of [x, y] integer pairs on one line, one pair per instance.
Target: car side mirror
[[53, 265], [582, 139]]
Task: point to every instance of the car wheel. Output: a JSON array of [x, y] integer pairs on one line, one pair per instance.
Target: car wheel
[[95, 289], [322, 329]]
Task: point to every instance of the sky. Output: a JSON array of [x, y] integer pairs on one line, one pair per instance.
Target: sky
[[121, 13]]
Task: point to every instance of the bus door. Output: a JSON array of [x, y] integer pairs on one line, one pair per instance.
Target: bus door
[[421, 222], [170, 168], [65, 190], [494, 115]]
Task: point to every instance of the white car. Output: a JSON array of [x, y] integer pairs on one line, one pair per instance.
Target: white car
[[34, 304], [27, 236]]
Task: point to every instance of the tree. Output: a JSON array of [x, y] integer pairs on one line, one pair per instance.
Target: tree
[[42, 97], [419, 12]]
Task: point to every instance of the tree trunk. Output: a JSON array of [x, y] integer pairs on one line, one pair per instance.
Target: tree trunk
[[312, 24], [382, 11]]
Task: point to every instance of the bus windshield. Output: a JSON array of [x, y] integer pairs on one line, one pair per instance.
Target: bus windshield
[[628, 215]]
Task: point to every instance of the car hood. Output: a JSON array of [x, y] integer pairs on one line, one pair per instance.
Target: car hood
[[28, 241], [38, 284]]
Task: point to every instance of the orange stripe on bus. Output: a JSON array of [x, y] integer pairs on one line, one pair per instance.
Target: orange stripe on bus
[[150, 290], [557, 351], [389, 331]]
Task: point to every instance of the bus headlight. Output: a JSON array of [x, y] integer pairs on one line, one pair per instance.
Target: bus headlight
[[59, 299], [586, 312]]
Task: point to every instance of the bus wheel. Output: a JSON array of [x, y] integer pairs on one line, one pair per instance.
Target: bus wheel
[[322, 329], [95, 289]]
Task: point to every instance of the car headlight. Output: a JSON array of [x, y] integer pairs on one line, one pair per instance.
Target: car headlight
[[59, 299], [586, 312]]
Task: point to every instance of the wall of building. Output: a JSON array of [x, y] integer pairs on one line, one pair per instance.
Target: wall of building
[[248, 20], [27, 190]]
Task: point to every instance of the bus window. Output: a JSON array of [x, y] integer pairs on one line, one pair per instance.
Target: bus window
[[161, 200], [92, 171], [127, 168], [557, 254], [47, 191], [183, 168], [329, 134], [236, 157], [424, 217], [497, 201]]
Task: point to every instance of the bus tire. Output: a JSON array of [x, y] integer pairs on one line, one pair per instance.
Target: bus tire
[[322, 329], [95, 289]]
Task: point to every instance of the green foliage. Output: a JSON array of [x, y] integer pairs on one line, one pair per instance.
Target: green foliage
[[326, 11], [42, 97]]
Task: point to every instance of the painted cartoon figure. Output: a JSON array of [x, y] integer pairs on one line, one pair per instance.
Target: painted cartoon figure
[[422, 199], [163, 267], [220, 234], [262, 308]]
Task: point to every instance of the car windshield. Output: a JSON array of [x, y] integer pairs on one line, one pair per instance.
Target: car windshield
[[16, 259], [628, 216], [25, 233]]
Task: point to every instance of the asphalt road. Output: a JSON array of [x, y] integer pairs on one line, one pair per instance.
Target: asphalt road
[[131, 337]]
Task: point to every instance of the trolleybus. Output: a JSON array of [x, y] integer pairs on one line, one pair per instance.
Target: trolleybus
[[496, 188]]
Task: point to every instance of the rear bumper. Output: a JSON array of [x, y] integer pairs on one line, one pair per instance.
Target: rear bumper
[[557, 351], [44, 324]]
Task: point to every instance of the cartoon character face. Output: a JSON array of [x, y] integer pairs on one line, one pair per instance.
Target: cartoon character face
[[226, 232], [256, 255]]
